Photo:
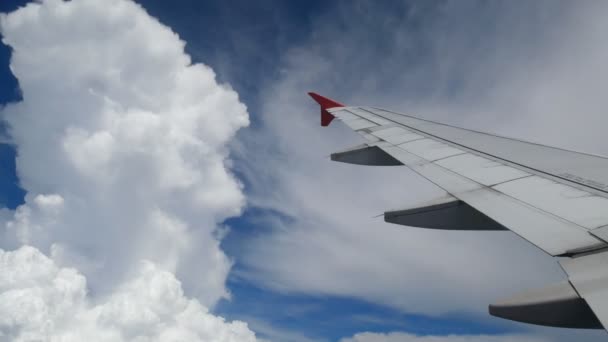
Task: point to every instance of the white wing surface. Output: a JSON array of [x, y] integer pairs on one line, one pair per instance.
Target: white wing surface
[[554, 198]]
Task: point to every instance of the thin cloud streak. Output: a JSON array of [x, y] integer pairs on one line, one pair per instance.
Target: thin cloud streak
[[507, 69]]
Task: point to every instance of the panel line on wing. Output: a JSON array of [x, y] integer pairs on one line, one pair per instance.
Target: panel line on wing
[[549, 232], [447, 157], [371, 117], [553, 198], [485, 171], [510, 180], [587, 185]]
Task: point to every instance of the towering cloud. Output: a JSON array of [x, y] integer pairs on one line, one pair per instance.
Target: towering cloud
[[121, 145]]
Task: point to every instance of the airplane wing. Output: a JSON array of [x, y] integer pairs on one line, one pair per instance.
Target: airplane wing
[[554, 198]]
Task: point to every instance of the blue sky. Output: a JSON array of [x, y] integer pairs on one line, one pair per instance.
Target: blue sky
[[254, 46], [11, 194]]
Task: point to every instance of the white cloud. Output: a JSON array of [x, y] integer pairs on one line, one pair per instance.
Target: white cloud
[[373, 55], [404, 337], [40, 301], [121, 146], [121, 143]]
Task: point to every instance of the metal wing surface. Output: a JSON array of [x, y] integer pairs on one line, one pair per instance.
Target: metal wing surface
[[554, 198]]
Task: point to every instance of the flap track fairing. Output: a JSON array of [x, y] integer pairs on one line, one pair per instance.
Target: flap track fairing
[[365, 155], [558, 305], [448, 213]]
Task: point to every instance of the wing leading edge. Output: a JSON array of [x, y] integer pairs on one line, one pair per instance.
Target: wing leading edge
[[554, 198]]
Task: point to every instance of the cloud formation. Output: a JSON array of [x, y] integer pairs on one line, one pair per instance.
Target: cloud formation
[[121, 145], [120, 139], [40, 301]]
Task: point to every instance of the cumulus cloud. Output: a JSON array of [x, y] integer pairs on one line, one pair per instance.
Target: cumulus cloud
[[403, 337], [483, 71], [121, 145], [40, 301]]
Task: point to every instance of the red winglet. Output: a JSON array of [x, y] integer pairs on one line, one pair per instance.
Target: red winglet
[[325, 103]]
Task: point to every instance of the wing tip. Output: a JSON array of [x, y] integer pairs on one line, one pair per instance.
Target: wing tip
[[325, 103]]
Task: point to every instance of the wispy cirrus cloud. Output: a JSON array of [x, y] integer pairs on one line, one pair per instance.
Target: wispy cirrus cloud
[[495, 66]]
